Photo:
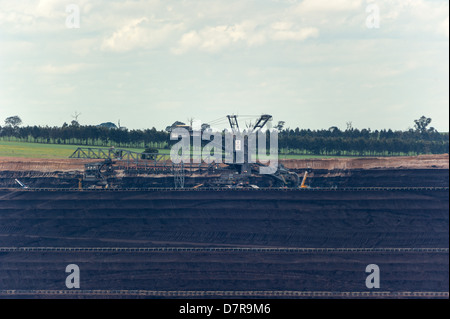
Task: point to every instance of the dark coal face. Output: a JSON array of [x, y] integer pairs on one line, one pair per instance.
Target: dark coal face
[[394, 228]]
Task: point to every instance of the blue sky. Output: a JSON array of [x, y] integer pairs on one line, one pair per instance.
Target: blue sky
[[311, 63]]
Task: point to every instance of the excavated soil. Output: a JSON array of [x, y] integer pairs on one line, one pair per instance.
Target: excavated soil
[[399, 162], [418, 171], [410, 162], [42, 165]]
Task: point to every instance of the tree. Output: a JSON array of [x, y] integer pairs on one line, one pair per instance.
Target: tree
[[333, 129], [421, 124], [13, 121], [149, 153]]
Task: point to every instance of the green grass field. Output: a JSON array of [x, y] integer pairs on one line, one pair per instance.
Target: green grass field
[[36, 150]]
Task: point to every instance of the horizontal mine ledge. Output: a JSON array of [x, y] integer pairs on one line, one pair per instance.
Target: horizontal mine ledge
[[221, 249], [203, 189], [263, 293]]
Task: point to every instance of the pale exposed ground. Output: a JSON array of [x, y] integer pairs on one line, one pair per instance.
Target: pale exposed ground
[[42, 165], [440, 161], [406, 162]]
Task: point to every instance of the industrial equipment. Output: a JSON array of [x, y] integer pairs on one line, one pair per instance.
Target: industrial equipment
[[303, 184], [241, 174], [247, 173], [21, 184]]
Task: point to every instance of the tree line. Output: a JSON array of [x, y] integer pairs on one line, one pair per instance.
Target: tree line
[[333, 141], [88, 135]]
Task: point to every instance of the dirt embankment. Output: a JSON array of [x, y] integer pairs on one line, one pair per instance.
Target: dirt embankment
[[42, 165], [440, 161], [406, 162]]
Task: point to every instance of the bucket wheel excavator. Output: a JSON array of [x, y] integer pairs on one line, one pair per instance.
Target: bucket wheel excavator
[[248, 174]]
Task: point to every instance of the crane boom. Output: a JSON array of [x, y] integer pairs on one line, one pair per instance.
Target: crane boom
[[262, 121], [233, 122]]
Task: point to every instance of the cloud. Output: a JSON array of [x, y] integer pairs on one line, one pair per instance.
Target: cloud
[[32, 17], [130, 36], [285, 31], [413, 18], [213, 39], [188, 41], [138, 34], [50, 8], [326, 6]]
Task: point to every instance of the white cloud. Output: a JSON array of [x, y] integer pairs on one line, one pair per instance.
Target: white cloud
[[137, 34], [414, 17], [188, 41], [50, 8], [130, 36], [283, 31], [327, 6], [61, 69], [218, 37], [213, 39]]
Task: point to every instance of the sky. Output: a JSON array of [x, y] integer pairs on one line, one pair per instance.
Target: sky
[[314, 64]]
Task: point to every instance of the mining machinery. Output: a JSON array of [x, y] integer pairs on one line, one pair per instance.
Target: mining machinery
[[245, 174]]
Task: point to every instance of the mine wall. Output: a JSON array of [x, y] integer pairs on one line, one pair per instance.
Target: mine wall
[[206, 243], [265, 218], [161, 242], [316, 178]]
